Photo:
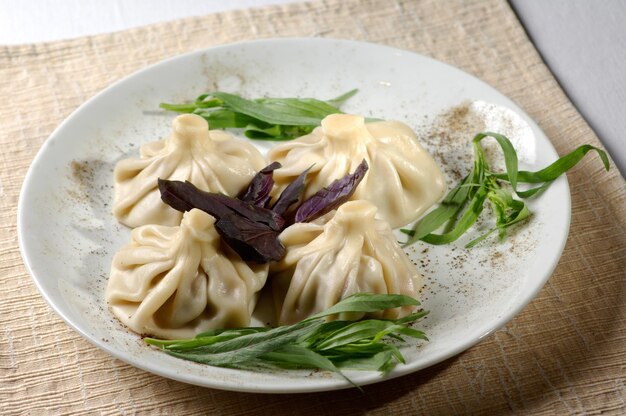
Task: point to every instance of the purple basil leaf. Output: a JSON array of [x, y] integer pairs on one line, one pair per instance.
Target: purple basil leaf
[[184, 196], [291, 194], [253, 241], [258, 192], [171, 192], [331, 197]]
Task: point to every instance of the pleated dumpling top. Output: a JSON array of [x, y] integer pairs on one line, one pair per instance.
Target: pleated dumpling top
[[212, 160], [403, 180], [345, 252], [175, 282]]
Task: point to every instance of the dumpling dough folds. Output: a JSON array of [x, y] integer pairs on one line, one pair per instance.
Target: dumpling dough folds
[[403, 180], [175, 282], [345, 252], [212, 160]]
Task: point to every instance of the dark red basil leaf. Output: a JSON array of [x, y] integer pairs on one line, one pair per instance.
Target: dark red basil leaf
[[171, 198], [184, 196], [331, 197], [258, 192], [250, 229], [291, 194], [253, 241]]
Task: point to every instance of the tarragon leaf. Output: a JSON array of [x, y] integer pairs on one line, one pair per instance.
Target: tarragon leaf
[[226, 119], [337, 101], [270, 112], [311, 343], [464, 204], [262, 118], [367, 302]]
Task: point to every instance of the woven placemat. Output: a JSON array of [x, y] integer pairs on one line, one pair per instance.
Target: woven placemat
[[565, 353]]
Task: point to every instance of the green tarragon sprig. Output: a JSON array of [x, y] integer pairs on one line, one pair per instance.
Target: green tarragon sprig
[[310, 344], [460, 209], [262, 118]]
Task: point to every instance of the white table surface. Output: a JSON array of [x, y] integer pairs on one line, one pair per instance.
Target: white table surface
[[583, 42]]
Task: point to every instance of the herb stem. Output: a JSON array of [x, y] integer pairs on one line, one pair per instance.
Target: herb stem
[[461, 208], [311, 343]]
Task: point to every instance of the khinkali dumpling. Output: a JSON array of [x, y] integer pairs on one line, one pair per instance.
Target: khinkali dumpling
[[175, 282], [403, 179], [345, 252], [212, 160]]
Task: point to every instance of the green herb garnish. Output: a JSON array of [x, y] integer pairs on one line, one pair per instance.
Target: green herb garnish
[[309, 344], [460, 209], [262, 118]]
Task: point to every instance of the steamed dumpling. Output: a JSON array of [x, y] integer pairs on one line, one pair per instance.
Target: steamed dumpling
[[212, 160], [175, 282], [403, 179], [345, 252]]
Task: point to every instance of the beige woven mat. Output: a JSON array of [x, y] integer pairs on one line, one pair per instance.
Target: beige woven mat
[[565, 353]]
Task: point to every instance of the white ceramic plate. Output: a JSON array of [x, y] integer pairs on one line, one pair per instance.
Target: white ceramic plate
[[68, 235]]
